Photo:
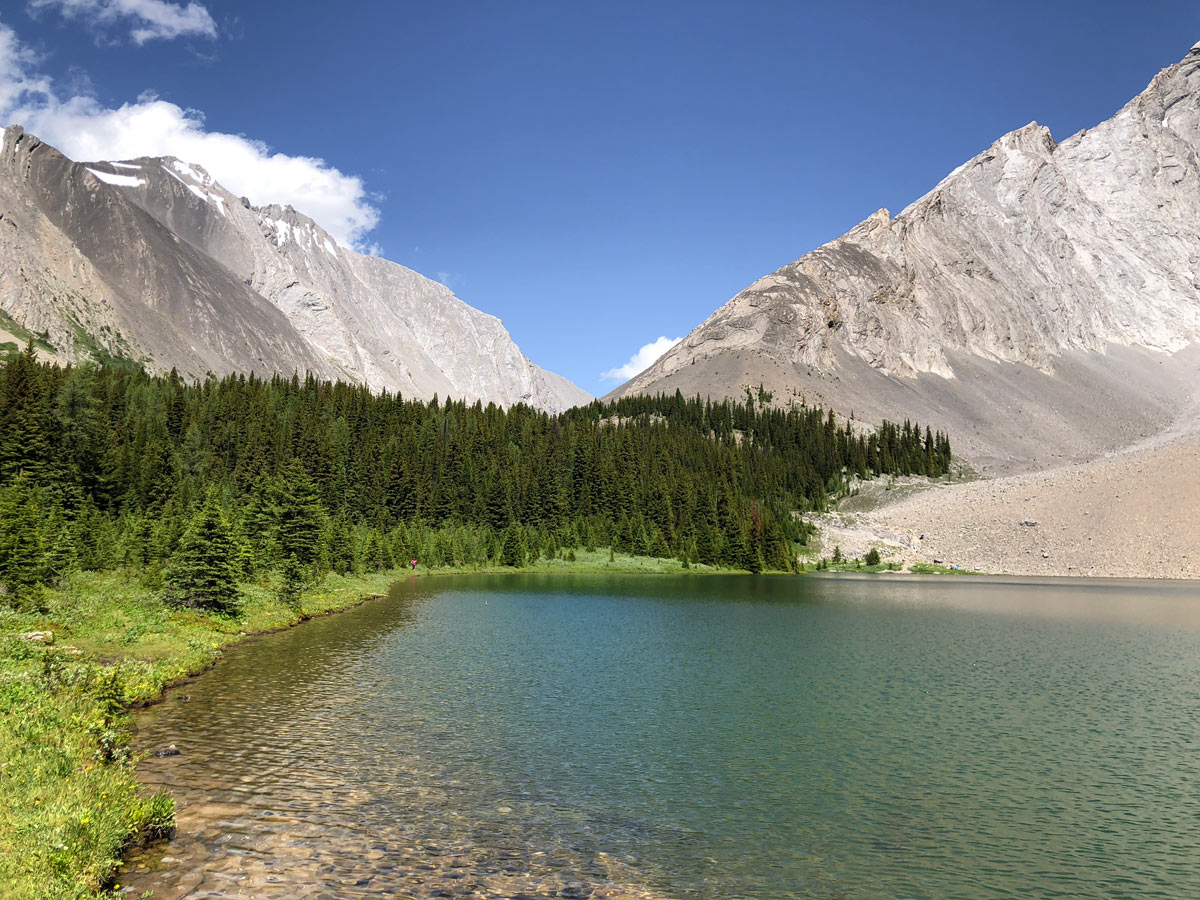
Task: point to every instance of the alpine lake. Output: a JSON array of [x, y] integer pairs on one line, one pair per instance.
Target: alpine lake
[[712, 737]]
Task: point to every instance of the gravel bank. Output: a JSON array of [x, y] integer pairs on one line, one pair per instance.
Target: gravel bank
[[1136, 514]]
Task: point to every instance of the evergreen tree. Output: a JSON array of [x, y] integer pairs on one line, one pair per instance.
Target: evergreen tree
[[512, 552], [20, 547], [291, 584], [122, 457], [24, 447], [300, 517], [203, 571], [706, 545], [376, 555], [339, 546], [60, 557]]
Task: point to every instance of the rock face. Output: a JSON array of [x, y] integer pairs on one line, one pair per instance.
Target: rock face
[[1042, 286], [151, 258]]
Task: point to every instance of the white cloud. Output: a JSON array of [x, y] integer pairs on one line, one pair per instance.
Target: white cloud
[[642, 360], [17, 76], [85, 130], [148, 20]]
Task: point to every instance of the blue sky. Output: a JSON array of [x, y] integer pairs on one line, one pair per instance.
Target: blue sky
[[597, 174]]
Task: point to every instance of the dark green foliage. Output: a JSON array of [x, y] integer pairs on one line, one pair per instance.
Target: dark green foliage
[[377, 556], [22, 567], [871, 558], [115, 465], [25, 419], [299, 516], [512, 552], [292, 582], [204, 571]]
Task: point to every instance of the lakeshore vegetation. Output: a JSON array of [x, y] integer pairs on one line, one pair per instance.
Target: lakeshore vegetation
[[146, 522]]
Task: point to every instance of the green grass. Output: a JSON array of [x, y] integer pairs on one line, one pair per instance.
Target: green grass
[[587, 562], [99, 354], [9, 324], [70, 803], [938, 569]]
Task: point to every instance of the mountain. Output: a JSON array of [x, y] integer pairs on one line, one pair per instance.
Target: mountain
[[153, 260], [1041, 303]]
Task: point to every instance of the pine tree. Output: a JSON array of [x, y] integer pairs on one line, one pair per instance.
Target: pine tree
[[301, 518], [339, 545], [60, 557], [203, 571], [707, 551], [512, 553], [292, 583], [24, 448], [376, 555], [20, 546]]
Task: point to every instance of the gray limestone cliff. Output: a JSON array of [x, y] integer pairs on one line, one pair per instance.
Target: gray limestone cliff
[[1055, 281], [152, 258], [87, 268]]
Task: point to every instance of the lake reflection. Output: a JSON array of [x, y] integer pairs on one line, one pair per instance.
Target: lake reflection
[[710, 737]]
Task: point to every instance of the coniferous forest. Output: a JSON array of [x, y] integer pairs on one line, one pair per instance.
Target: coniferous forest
[[200, 484]]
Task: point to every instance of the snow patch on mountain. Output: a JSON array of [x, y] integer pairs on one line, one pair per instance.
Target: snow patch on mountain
[[119, 180]]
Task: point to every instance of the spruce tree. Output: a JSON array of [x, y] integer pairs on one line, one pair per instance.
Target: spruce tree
[[203, 572], [291, 584], [512, 553], [301, 518], [24, 447], [706, 545], [20, 547], [376, 555]]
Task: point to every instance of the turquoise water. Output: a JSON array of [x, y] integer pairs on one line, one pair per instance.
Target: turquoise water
[[702, 737]]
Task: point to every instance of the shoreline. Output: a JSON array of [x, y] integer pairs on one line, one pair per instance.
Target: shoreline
[[112, 647], [108, 629], [72, 802]]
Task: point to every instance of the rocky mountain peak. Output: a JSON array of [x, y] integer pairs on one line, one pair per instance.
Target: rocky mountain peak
[[1034, 254], [155, 258]]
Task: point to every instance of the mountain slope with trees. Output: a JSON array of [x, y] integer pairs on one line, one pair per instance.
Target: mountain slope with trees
[[106, 466]]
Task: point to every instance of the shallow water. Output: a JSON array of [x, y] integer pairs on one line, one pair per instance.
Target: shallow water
[[708, 737]]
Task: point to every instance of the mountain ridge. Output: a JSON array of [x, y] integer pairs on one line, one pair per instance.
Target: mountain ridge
[[317, 306], [1038, 275]]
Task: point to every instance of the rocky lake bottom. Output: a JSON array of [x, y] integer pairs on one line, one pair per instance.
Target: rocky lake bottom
[[709, 737]]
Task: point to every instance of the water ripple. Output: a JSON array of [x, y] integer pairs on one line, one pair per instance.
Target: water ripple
[[650, 738]]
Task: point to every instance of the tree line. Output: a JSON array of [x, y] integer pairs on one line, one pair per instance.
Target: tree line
[[108, 466]]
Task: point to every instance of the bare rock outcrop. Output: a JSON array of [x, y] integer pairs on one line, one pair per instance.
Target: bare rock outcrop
[[1035, 304], [88, 268], [152, 258]]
